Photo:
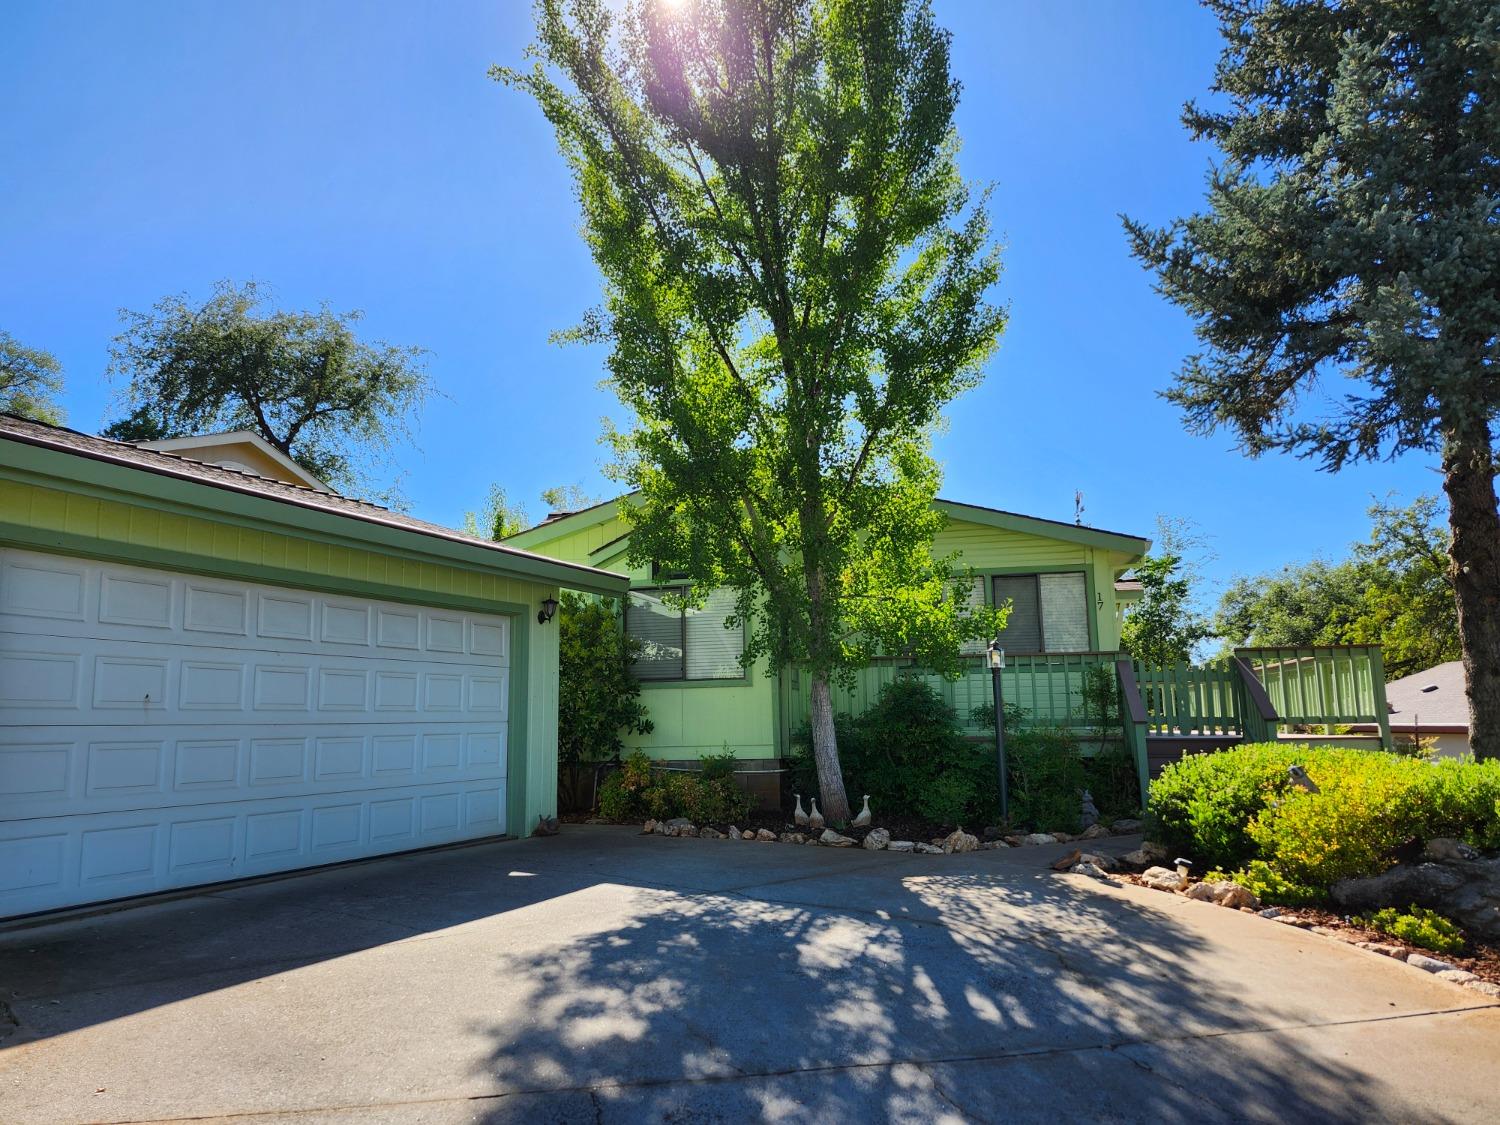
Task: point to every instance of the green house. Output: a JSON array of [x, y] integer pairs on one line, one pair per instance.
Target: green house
[[1063, 580]]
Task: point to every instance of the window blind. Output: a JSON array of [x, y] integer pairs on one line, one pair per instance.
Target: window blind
[[713, 652], [659, 629], [1023, 629], [1065, 612]]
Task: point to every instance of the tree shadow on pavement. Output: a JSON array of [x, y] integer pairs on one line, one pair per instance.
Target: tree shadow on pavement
[[955, 997]]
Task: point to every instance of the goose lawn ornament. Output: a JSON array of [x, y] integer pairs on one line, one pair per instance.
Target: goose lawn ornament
[[798, 815], [863, 819], [814, 818]]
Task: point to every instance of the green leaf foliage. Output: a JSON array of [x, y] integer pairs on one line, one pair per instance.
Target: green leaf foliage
[[796, 284], [1393, 590], [303, 381], [1238, 811], [30, 381], [599, 700], [637, 791], [1417, 926]]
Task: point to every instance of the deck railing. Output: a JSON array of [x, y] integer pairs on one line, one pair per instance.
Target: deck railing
[[1253, 695], [1323, 686]]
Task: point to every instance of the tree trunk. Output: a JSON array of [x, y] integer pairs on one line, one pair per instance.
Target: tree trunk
[[825, 741], [1474, 562]]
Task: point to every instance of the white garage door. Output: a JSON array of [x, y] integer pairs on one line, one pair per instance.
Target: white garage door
[[160, 730]]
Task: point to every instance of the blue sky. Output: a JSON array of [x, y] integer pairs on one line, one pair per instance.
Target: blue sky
[[355, 152]]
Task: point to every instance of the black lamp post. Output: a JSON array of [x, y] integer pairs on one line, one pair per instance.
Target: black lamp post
[[997, 665]]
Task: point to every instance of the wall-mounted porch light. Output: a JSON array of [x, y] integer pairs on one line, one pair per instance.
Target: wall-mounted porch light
[[547, 612]]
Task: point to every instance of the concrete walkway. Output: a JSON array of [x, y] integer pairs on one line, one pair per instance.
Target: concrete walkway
[[601, 976]]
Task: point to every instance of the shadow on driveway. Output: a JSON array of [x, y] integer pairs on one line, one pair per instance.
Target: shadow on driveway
[[602, 975]]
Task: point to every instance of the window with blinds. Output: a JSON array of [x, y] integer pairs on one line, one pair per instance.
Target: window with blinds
[[1049, 613], [681, 644]]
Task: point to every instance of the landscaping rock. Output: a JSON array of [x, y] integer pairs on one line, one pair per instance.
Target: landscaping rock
[[811, 841], [793, 838], [1201, 892], [1446, 848], [649, 826], [876, 840], [1068, 861], [929, 849], [1381, 948], [834, 840], [1485, 987], [765, 835], [1107, 862], [1431, 964], [1237, 897], [681, 826], [734, 833], [1270, 912], [1093, 870], [710, 834], [1163, 879], [1039, 838], [1014, 841], [1094, 832], [959, 841], [1140, 858], [1466, 890], [1125, 827], [901, 846], [992, 845], [1457, 976], [1062, 837]]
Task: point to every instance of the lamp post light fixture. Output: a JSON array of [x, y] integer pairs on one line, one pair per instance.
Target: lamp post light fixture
[[547, 612], [997, 666]]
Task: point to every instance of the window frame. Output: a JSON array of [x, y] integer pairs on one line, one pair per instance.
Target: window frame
[[1041, 614], [741, 677]]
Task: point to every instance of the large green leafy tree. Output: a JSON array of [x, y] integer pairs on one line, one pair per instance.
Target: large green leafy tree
[[796, 285], [1393, 590], [1165, 625], [302, 380], [1353, 228], [30, 381]]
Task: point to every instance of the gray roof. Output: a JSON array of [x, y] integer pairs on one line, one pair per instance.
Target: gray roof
[[64, 440], [1430, 699]]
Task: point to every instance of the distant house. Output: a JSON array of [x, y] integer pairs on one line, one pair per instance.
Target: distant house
[[1432, 705]]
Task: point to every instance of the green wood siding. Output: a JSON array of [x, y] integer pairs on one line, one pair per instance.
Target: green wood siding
[[693, 719]]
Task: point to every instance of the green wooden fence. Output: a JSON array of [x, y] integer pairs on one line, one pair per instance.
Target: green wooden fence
[[1254, 695]]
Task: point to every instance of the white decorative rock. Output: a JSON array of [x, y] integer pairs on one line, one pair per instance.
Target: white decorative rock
[[649, 826], [710, 834], [1093, 870], [1457, 976], [1093, 832], [901, 846], [928, 849], [1039, 838], [734, 833], [765, 835], [834, 840], [1163, 879], [876, 840]]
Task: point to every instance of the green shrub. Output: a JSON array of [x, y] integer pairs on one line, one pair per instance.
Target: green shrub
[[598, 695], [1269, 885], [636, 791], [1416, 926], [1047, 778], [909, 754], [1237, 809], [1112, 779]]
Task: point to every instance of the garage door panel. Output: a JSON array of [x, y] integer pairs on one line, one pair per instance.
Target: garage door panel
[[47, 770], [108, 681], [159, 730], [60, 861]]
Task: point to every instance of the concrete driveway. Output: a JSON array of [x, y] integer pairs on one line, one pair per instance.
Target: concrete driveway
[[602, 976]]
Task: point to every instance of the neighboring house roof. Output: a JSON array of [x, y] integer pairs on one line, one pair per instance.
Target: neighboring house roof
[[60, 440], [975, 513], [1431, 700], [207, 445]]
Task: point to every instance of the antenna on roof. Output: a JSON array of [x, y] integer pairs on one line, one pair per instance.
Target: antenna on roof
[[1078, 506]]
